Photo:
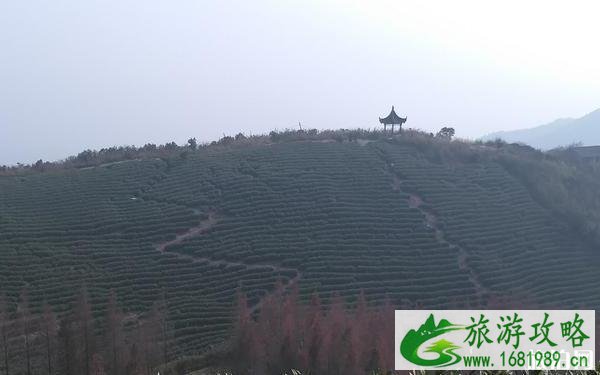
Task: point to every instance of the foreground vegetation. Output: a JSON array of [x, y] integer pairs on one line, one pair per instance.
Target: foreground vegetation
[[289, 335], [80, 342]]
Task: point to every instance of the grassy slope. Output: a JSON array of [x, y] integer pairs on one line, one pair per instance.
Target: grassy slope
[[335, 213]]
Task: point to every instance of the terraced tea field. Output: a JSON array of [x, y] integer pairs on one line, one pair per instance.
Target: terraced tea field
[[329, 216]]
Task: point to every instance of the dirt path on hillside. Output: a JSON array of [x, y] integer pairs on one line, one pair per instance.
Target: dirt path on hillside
[[431, 220], [205, 226]]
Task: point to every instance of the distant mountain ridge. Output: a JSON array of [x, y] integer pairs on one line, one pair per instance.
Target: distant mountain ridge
[[561, 132]]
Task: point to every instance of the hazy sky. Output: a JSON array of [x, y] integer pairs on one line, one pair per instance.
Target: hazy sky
[[88, 74]]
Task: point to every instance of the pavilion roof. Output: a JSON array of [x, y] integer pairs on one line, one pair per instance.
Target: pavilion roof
[[392, 118]]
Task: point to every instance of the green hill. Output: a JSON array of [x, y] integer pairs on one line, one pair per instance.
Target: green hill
[[415, 219]]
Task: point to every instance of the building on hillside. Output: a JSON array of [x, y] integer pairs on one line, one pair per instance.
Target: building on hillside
[[392, 119]]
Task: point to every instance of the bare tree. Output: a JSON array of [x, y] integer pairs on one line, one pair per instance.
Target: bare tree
[[133, 363], [98, 365], [65, 335], [160, 319], [334, 340], [85, 324], [149, 334], [24, 315], [49, 329], [114, 334], [4, 324]]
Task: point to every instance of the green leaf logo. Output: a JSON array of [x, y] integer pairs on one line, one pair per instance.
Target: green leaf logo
[[409, 347]]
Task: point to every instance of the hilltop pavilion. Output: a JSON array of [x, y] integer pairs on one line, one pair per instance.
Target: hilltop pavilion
[[392, 119]]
